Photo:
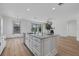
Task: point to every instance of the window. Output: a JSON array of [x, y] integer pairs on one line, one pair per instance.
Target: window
[[16, 28]]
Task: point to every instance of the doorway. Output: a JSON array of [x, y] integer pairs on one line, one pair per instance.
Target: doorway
[[72, 28]]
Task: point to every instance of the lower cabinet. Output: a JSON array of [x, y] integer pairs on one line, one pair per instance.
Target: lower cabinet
[[36, 47], [42, 47], [2, 44]]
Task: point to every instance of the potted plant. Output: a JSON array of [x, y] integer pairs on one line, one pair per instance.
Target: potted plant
[[48, 27]]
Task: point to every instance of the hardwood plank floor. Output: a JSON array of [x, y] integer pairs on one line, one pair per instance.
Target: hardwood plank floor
[[66, 46], [15, 47]]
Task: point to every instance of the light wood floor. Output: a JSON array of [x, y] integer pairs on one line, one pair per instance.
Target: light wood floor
[[15, 47], [66, 46]]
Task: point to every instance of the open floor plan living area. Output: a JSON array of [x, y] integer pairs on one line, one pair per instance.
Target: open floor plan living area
[[39, 29]]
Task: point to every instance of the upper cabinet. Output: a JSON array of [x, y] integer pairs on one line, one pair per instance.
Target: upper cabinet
[[37, 27], [42, 27]]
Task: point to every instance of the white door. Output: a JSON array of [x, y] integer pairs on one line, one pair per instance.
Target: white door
[[72, 28]]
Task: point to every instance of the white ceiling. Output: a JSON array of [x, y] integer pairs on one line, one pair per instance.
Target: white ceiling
[[40, 11]]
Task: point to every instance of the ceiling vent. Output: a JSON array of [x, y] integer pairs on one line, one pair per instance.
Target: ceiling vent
[[60, 4]]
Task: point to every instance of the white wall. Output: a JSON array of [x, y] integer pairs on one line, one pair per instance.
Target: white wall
[[64, 28], [60, 27], [78, 29], [25, 26], [8, 27]]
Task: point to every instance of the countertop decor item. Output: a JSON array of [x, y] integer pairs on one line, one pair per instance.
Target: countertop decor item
[[51, 31], [48, 26]]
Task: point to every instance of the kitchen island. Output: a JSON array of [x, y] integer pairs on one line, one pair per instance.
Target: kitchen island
[[41, 45]]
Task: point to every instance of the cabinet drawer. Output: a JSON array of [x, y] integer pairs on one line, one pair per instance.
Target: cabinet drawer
[[36, 39]]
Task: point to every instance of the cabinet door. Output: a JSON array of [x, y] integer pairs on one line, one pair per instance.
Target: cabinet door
[[48, 46], [36, 46], [30, 43], [2, 41], [37, 39], [27, 40], [2, 44]]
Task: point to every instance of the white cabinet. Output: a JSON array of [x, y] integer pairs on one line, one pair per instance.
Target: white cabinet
[[27, 41], [42, 46], [49, 45], [2, 44], [2, 41], [36, 46]]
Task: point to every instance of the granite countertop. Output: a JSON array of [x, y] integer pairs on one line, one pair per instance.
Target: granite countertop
[[44, 36]]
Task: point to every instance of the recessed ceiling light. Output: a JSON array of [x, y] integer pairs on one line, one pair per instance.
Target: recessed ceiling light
[[27, 9], [53, 8]]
